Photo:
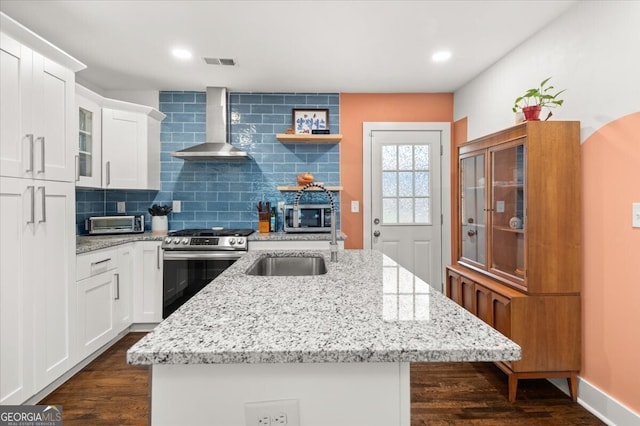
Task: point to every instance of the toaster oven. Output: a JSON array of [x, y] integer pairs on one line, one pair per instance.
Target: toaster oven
[[109, 225]]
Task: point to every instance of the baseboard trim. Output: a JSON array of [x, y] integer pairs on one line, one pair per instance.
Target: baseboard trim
[[601, 405]]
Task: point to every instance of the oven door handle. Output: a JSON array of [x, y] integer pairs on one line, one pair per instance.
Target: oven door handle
[[193, 255]]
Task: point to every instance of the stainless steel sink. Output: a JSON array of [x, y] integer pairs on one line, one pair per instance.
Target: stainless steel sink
[[268, 266]]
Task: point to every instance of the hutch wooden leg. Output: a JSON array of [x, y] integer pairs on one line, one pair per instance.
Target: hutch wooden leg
[[572, 381], [513, 387]]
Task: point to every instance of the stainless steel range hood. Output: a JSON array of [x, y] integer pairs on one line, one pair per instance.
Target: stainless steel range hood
[[216, 147]]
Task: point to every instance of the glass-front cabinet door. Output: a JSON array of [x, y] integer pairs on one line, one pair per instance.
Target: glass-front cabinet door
[[88, 164], [472, 210], [508, 210]]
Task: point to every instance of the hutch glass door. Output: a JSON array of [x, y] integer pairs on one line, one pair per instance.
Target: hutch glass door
[[508, 218], [472, 209]]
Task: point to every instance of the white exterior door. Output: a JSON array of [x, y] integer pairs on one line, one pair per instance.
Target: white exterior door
[[405, 203]]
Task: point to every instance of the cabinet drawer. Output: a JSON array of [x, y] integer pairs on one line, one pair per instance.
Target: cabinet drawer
[[95, 262]]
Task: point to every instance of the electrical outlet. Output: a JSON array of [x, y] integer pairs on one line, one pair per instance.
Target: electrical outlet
[[282, 412], [355, 206], [499, 206], [635, 212], [279, 419], [176, 207], [120, 206]]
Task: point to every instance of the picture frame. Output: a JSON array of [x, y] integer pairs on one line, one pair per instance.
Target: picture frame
[[304, 121]]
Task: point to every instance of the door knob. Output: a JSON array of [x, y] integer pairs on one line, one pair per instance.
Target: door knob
[[471, 232], [376, 233]]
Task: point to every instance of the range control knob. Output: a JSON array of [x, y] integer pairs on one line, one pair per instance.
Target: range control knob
[[167, 240], [185, 241], [240, 241], [232, 241], [176, 241]]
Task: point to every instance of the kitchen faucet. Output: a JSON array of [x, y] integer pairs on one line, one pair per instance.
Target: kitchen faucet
[[333, 245]]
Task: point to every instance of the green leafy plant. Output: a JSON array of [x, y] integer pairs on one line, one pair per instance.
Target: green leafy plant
[[541, 95]]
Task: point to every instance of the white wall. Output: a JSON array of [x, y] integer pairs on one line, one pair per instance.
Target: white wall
[[593, 51]]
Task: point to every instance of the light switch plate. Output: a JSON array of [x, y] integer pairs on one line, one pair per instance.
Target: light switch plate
[[176, 207], [635, 209], [355, 206], [499, 206]]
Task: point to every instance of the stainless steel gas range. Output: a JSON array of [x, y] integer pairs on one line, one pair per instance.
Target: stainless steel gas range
[[193, 258]]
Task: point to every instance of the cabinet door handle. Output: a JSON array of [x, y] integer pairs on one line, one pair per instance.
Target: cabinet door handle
[[100, 261], [108, 173], [77, 168], [116, 276], [30, 137], [44, 206], [32, 216], [42, 160], [158, 256]]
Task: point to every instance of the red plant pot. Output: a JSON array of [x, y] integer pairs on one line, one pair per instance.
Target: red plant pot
[[532, 113]]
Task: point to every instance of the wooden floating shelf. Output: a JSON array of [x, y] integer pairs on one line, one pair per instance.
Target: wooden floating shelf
[[298, 188], [304, 138]]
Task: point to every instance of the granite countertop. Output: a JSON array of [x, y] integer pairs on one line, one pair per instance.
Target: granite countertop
[[361, 310], [295, 236], [87, 243]]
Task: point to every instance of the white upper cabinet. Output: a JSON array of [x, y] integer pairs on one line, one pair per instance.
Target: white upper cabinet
[[89, 160], [131, 147], [36, 116], [118, 143]]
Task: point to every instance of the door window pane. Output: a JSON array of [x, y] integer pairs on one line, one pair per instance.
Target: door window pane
[[406, 184], [389, 210], [389, 157], [389, 184]]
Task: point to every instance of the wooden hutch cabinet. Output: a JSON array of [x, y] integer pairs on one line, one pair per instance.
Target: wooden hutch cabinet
[[518, 244]]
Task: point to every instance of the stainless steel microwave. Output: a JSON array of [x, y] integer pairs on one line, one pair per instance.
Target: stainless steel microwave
[[311, 218], [109, 225]]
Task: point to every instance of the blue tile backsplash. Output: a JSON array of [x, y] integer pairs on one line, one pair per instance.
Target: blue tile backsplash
[[225, 192]]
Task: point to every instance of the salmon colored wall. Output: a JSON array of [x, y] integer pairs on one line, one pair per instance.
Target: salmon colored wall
[[611, 262], [356, 108]]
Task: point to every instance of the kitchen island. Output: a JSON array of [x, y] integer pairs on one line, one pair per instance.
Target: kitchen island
[[339, 343]]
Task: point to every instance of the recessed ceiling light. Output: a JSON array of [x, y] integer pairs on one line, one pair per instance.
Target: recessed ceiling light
[[183, 54], [441, 56]]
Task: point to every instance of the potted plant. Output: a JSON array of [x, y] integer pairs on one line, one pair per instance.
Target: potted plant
[[159, 221], [533, 100]]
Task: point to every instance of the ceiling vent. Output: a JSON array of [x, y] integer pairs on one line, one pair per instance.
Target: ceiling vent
[[220, 61]]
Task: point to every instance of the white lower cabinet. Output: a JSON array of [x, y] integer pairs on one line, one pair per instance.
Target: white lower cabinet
[[16, 310], [104, 296], [95, 311], [37, 273], [123, 300], [147, 291]]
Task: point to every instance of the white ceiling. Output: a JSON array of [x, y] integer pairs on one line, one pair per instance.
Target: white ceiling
[[288, 46]]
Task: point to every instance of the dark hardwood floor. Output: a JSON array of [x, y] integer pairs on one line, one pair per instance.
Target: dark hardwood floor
[[110, 392]]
